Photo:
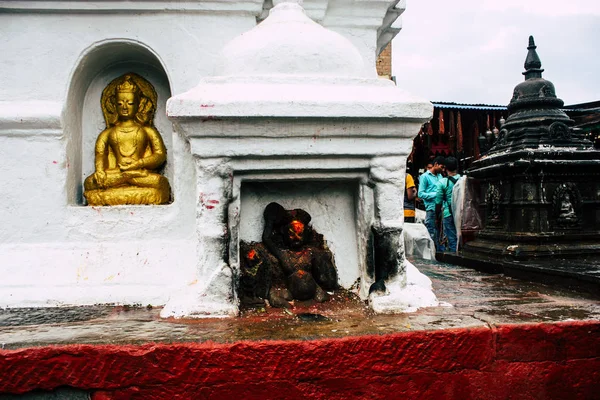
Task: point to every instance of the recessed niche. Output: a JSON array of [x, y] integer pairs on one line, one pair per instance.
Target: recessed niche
[[332, 206], [83, 115]]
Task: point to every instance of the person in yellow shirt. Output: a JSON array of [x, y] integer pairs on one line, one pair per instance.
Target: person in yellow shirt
[[409, 199]]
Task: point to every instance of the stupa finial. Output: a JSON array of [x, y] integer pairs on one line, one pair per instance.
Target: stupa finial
[[533, 64]]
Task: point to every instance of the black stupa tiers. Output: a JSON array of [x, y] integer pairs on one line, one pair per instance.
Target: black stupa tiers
[[536, 119], [539, 189]]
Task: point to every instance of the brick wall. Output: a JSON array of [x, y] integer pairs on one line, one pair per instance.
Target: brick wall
[[384, 62]]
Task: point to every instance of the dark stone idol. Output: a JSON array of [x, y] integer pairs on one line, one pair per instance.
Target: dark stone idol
[[292, 263]]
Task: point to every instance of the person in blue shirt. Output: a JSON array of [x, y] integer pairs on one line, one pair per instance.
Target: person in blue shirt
[[443, 201], [427, 192]]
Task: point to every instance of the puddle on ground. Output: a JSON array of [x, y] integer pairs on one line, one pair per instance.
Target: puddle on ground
[[51, 315], [564, 313], [478, 299]]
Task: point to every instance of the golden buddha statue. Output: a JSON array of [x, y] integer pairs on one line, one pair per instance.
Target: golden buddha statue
[[129, 152]]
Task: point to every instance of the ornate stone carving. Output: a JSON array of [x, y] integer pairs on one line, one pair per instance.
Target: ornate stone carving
[[566, 202], [516, 94], [292, 263], [130, 151], [492, 199], [257, 269], [559, 131], [502, 136], [547, 90]]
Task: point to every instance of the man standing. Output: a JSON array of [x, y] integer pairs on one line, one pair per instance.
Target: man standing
[[443, 201], [427, 192], [410, 193]]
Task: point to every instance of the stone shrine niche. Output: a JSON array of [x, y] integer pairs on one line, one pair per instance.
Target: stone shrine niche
[[328, 211], [493, 203], [84, 120], [566, 204], [264, 132]]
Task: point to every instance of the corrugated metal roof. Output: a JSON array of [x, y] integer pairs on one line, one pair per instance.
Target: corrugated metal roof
[[583, 107], [591, 105], [581, 110], [459, 106]]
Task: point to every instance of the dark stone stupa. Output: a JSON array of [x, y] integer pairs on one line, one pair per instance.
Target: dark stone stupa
[[539, 190]]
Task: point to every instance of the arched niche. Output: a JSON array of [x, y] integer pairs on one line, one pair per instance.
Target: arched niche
[[82, 116]]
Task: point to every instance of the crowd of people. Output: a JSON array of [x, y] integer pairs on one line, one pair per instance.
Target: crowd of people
[[435, 187]]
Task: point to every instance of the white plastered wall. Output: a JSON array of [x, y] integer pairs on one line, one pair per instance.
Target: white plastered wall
[[54, 250]]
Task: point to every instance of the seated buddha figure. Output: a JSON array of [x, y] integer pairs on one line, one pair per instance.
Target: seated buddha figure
[[305, 262], [567, 211], [129, 152], [566, 208]]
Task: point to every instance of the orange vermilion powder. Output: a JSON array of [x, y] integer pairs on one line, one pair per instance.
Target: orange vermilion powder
[[297, 226]]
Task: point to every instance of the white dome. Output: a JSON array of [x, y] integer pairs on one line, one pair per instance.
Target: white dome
[[290, 66], [288, 42]]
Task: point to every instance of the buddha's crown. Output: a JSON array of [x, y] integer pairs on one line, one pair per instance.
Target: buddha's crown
[[127, 86]]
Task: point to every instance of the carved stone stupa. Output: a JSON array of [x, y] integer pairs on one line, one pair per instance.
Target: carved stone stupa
[[539, 184]]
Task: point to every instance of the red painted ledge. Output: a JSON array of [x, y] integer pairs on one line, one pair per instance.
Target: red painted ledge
[[536, 361]]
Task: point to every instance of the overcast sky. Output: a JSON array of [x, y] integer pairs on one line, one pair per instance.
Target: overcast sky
[[472, 51]]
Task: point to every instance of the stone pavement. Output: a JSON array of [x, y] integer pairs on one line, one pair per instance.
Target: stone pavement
[[469, 299], [578, 274]]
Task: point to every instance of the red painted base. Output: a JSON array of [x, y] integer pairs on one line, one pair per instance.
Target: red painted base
[[541, 361]]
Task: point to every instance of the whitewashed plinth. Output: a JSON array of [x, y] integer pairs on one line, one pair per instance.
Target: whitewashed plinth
[[405, 294], [211, 298], [287, 111]]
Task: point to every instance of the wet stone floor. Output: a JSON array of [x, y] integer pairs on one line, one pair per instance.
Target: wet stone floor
[[469, 299]]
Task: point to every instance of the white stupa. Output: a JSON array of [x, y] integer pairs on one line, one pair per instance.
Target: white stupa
[[292, 103]]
